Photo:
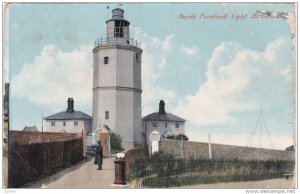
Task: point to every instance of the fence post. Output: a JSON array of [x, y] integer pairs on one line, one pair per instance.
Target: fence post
[[154, 139], [195, 149], [209, 148], [181, 147], [83, 144], [10, 159]]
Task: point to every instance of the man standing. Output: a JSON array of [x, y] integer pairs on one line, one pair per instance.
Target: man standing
[[99, 154]]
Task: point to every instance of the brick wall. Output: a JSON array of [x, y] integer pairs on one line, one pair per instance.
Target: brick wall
[[22, 137], [189, 149]]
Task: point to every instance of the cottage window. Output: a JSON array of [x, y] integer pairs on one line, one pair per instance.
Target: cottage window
[[75, 123], [64, 123], [166, 124], [154, 124], [176, 125], [106, 114], [106, 60], [52, 123]]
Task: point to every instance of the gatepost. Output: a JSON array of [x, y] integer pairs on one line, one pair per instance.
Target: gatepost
[[154, 139]]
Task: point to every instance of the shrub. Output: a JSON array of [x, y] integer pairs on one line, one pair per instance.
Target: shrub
[[178, 137], [290, 148], [116, 141]]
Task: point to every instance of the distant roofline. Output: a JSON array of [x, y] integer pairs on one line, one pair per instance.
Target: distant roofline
[[69, 119], [157, 113], [87, 117], [164, 120]]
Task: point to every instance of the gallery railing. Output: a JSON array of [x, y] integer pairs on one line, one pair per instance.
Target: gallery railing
[[112, 41]]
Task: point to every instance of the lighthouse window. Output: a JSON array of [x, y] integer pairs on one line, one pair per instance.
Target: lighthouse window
[[105, 60], [106, 114], [118, 32], [137, 57]]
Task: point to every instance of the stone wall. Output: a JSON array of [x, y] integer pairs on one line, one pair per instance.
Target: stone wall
[[22, 137], [189, 149]]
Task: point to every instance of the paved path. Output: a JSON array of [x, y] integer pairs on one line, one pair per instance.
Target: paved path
[[83, 175]]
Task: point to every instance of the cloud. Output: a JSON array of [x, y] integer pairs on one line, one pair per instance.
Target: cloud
[[189, 50], [56, 75], [154, 58], [236, 78], [166, 44]]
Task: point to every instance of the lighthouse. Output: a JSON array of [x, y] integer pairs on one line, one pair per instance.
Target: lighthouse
[[117, 81]]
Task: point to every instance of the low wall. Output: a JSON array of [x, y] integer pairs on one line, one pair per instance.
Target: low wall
[[133, 154], [22, 137], [187, 149]]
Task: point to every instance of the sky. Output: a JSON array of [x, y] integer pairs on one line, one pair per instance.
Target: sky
[[223, 76]]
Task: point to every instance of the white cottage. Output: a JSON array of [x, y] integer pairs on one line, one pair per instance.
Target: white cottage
[[163, 123], [69, 121]]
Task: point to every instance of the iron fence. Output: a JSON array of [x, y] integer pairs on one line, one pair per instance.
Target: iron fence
[[132, 155], [172, 172]]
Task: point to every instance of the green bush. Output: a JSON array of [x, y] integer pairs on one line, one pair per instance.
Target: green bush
[[116, 142], [178, 137]]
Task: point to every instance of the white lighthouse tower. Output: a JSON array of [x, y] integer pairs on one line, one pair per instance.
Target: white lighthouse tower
[[117, 81]]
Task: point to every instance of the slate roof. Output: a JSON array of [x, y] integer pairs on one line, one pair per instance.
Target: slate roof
[[68, 116], [30, 129], [163, 117]]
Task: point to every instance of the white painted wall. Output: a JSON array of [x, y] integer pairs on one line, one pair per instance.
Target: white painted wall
[[70, 128], [116, 89], [105, 101]]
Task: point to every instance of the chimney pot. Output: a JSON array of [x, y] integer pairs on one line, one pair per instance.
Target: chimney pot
[[70, 108], [162, 107]]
